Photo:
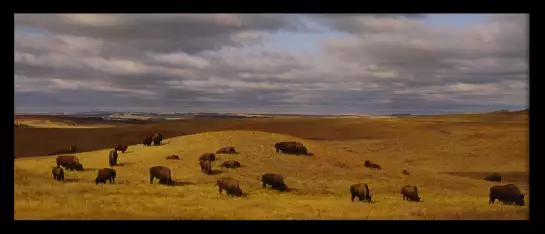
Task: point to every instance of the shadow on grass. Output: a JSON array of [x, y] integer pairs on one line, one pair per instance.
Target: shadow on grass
[[228, 153], [215, 172], [298, 154], [179, 183], [71, 180], [90, 169], [123, 164]]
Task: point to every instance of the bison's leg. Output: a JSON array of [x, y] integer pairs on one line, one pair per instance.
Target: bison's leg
[[277, 150], [361, 198], [220, 190], [151, 179], [353, 196], [264, 185], [492, 199], [62, 177]]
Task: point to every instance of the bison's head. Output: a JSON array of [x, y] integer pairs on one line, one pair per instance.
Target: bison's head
[[78, 167], [97, 180], [520, 202]]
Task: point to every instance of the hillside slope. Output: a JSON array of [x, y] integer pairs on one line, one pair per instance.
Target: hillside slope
[[324, 129], [320, 183]]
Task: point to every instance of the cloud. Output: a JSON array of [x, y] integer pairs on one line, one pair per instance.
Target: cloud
[[224, 62]]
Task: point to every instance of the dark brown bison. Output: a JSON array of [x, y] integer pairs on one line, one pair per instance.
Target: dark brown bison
[[147, 141], [370, 164], [58, 173], [112, 158], [72, 149], [496, 177], [410, 193], [105, 174], [70, 162], [161, 173], [274, 180], [361, 191], [290, 147], [405, 172], [121, 148], [206, 166], [226, 150], [230, 186], [208, 156], [157, 138], [173, 157], [230, 164], [508, 194]]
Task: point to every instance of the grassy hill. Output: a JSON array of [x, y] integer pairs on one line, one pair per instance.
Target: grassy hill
[[447, 161]]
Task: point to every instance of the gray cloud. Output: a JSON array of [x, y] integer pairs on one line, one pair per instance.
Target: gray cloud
[[165, 62]]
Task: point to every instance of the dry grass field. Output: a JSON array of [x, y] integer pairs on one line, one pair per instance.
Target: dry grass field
[[448, 157]]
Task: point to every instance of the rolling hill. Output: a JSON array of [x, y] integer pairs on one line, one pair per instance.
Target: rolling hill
[[447, 160]]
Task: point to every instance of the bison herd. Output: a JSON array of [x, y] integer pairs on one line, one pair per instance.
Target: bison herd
[[508, 194]]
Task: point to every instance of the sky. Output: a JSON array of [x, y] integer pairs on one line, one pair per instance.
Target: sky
[[271, 63]]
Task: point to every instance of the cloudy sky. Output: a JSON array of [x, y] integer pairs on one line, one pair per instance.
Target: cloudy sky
[[271, 63]]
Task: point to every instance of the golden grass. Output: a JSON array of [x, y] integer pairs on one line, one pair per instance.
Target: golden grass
[[41, 123], [320, 182]]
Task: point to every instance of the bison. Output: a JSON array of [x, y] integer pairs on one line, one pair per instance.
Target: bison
[[58, 173], [113, 158], [496, 177], [70, 162], [157, 138], [507, 194], [226, 150], [361, 191], [206, 166], [230, 164], [72, 149], [147, 141], [105, 174], [370, 164], [405, 172], [162, 173], [230, 186], [410, 193], [173, 157], [274, 180], [208, 156], [121, 148], [290, 148]]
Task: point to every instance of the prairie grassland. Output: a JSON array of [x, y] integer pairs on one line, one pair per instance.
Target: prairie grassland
[[447, 161]]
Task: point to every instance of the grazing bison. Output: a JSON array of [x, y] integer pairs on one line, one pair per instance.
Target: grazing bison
[[72, 149], [410, 193], [230, 186], [230, 164], [70, 162], [105, 174], [361, 191], [370, 164], [173, 157], [226, 150], [405, 172], [161, 173], [58, 173], [206, 166], [494, 177], [208, 156], [274, 180], [157, 138], [508, 194], [121, 148], [147, 141], [290, 148], [113, 158]]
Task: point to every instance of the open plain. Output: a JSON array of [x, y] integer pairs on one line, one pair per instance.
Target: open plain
[[447, 156]]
